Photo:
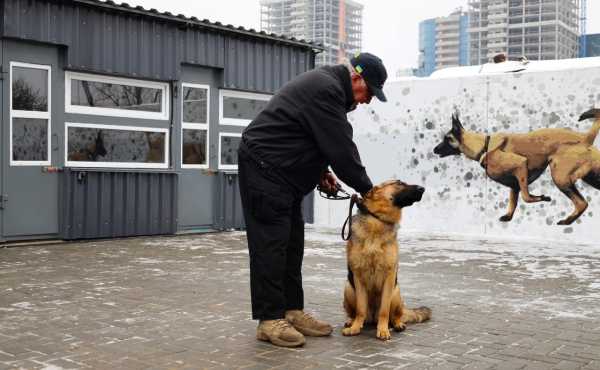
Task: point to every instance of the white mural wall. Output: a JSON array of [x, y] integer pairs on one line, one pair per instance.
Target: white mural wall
[[396, 140]]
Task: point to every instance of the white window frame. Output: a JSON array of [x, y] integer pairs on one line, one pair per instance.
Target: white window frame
[[227, 166], [163, 165], [30, 114], [196, 126], [238, 94], [116, 112]]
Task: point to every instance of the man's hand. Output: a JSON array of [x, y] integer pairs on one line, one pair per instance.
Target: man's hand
[[328, 182]]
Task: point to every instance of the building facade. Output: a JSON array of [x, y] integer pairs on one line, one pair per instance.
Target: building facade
[[121, 121], [536, 29], [335, 24], [591, 47], [443, 43]]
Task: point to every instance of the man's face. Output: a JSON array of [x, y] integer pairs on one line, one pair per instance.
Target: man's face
[[362, 94]]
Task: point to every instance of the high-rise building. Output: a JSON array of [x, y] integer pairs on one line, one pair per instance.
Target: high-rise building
[[443, 42], [592, 45], [537, 29], [337, 24]]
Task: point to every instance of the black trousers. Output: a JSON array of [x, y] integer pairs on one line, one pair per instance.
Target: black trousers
[[275, 232]]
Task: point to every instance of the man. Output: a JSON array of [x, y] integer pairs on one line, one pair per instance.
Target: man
[[285, 152]]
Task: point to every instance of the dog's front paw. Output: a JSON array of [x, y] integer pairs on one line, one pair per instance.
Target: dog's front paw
[[353, 330], [505, 218], [383, 333], [566, 221], [545, 198]]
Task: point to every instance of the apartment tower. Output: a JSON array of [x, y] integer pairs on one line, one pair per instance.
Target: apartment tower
[[536, 29], [337, 24]]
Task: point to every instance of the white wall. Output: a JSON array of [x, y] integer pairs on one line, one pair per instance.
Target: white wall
[[396, 140]]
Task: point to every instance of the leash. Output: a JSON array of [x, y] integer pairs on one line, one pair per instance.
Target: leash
[[353, 200], [333, 195]]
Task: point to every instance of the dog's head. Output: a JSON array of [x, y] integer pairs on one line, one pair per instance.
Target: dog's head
[[451, 142], [387, 199]]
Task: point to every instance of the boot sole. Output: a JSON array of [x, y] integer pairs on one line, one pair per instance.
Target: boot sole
[[279, 342], [313, 333]]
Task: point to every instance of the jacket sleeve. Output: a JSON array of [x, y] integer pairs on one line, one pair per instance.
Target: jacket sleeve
[[326, 118]]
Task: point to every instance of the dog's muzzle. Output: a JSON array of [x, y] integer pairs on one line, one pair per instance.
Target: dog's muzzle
[[408, 197]]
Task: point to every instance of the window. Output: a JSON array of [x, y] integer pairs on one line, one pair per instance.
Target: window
[[240, 108], [29, 114], [195, 113], [112, 96], [228, 145], [92, 145]]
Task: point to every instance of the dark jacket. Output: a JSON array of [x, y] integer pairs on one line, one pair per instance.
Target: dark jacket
[[304, 129]]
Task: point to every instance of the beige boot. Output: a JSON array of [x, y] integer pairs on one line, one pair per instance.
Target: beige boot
[[280, 333], [308, 325]]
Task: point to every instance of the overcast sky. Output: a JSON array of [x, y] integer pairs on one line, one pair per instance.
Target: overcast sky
[[390, 28]]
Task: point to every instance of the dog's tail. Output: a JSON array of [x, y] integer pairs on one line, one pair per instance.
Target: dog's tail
[[415, 315], [591, 135]]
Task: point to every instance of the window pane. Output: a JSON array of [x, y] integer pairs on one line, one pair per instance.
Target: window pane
[[107, 95], [29, 89], [194, 105], [241, 108], [109, 145], [194, 146], [30, 139], [229, 146]]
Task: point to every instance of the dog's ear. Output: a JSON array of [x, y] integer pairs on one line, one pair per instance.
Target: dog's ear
[[370, 193], [456, 125]]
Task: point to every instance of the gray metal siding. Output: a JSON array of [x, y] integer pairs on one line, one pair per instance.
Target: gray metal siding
[[228, 210], [115, 42], [102, 204]]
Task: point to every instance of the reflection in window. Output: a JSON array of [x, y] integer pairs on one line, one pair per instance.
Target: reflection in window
[[229, 146], [87, 144], [30, 139], [242, 108], [29, 89], [195, 105], [194, 147], [116, 96]]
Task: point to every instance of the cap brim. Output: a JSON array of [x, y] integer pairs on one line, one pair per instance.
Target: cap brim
[[378, 93]]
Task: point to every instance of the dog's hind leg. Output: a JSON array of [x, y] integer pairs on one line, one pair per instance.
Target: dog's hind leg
[[396, 308], [565, 174], [513, 200]]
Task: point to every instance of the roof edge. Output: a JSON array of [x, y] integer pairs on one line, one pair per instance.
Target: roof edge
[[193, 21]]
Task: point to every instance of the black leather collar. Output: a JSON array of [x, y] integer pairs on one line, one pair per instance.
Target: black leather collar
[[485, 148]]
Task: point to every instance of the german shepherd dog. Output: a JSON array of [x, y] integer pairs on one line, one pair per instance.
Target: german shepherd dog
[[517, 160], [372, 294]]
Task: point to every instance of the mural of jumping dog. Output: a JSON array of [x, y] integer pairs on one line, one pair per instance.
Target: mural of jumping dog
[[517, 160]]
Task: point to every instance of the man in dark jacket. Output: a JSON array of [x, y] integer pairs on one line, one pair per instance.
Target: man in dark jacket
[[285, 152]]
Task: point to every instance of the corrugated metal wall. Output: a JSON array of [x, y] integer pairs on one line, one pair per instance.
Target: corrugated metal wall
[[103, 204], [112, 41], [228, 205]]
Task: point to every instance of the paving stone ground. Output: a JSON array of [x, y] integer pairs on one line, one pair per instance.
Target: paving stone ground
[[183, 303]]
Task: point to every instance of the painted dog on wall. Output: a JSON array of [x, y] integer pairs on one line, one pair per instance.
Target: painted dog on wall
[[517, 160]]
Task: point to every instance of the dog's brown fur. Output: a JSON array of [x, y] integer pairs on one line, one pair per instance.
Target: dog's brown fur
[[371, 294], [517, 160]]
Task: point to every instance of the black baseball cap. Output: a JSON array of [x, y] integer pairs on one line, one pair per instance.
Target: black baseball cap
[[373, 71]]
